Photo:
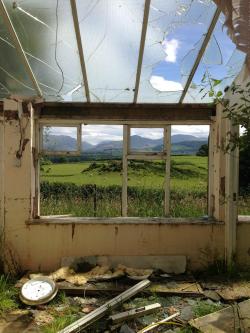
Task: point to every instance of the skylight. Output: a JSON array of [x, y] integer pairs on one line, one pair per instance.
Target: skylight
[[114, 50]]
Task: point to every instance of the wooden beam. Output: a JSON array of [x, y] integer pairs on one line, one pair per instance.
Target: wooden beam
[[19, 48], [167, 150], [201, 52], [142, 45], [80, 48], [231, 194], [126, 136], [126, 113], [210, 197], [93, 316]]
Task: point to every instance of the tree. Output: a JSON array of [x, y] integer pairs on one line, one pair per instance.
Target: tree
[[239, 114], [203, 150]]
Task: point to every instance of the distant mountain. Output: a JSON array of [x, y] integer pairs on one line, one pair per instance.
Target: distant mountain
[[59, 142], [176, 138], [181, 144]]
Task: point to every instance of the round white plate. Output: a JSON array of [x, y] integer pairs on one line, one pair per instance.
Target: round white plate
[[37, 291]]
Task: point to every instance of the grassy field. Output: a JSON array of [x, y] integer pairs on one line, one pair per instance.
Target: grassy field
[[194, 169], [94, 188]]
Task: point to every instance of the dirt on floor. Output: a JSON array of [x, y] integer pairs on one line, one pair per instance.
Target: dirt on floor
[[203, 304]]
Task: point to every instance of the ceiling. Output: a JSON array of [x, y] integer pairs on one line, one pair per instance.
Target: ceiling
[[115, 51]]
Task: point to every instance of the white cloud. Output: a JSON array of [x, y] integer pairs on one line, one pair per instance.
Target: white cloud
[[196, 130], [161, 84], [98, 133], [170, 47]]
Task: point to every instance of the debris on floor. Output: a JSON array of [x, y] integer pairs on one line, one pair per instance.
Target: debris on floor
[[94, 302], [234, 318]]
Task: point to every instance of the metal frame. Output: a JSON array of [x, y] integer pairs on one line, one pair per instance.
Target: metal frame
[[201, 52], [19, 48], [142, 45], [76, 152], [80, 48]]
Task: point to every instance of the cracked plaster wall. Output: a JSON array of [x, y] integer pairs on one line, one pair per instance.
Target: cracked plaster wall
[[41, 247]]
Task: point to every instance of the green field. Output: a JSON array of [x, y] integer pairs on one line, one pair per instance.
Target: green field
[[194, 174], [94, 188]]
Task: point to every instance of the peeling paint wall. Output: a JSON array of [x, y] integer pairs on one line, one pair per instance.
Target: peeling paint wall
[[41, 247]]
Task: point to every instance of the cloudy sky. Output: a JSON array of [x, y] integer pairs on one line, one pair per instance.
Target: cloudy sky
[[97, 133]]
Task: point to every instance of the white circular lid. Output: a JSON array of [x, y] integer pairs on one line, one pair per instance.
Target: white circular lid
[[37, 291]]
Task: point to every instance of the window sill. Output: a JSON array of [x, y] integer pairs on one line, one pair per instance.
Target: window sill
[[244, 218], [120, 220]]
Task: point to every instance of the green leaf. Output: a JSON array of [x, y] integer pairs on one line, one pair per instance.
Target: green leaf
[[216, 82], [219, 93], [211, 94]]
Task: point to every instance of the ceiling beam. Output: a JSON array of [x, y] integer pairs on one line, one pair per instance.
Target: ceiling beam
[[201, 53], [80, 48], [137, 114], [142, 45], [19, 48]]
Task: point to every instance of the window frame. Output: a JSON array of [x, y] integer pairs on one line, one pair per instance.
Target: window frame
[[126, 156]]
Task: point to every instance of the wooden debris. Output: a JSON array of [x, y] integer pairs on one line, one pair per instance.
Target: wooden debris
[[232, 319], [134, 313], [235, 291], [154, 325], [102, 310], [170, 288]]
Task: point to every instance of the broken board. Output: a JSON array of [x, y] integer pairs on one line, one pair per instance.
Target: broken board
[[105, 308], [235, 318], [134, 313], [175, 288]]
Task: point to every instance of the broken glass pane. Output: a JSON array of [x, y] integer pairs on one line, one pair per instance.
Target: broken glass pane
[[13, 76], [176, 29], [221, 61], [46, 32], [111, 32]]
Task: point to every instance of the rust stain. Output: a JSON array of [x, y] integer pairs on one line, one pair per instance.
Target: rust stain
[[34, 157], [116, 230], [19, 153], [73, 230], [222, 186]]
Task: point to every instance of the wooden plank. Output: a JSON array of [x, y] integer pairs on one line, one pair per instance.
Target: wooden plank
[[142, 45], [167, 150], [225, 320], [210, 197], [134, 313], [180, 288], [201, 52], [80, 48], [123, 220], [126, 139], [102, 310], [115, 112], [231, 194]]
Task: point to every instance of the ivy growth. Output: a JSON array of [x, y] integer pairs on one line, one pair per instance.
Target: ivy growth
[[238, 112]]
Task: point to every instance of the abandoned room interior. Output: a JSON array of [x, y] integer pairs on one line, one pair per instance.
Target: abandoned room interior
[[128, 66]]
